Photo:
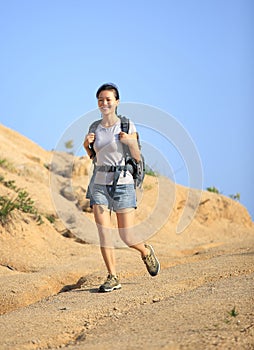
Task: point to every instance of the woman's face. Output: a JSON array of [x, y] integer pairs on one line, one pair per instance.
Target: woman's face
[[107, 102]]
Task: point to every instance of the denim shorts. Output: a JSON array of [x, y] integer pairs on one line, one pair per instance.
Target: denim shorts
[[124, 196]]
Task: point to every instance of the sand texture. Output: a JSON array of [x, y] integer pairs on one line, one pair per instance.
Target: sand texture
[[51, 266]]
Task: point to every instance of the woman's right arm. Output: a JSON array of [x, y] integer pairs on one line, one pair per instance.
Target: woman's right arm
[[88, 140]]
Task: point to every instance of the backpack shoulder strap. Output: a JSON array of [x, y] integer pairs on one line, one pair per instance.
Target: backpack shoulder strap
[[94, 126], [125, 123]]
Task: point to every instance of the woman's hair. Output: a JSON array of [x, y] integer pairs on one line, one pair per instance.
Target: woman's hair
[[108, 86]]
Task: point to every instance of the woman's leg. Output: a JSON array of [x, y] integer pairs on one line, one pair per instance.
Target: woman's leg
[[102, 219], [125, 220]]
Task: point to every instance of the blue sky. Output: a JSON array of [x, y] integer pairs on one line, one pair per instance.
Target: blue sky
[[192, 59]]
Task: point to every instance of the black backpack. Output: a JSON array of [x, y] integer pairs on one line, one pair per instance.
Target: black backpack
[[137, 169]]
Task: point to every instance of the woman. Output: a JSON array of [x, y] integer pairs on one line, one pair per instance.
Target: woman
[[107, 141]]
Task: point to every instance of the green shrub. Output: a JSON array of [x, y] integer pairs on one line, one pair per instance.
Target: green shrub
[[6, 207], [5, 164], [213, 189], [21, 202], [232, 196], [236, 196], [51, 218], [150, 171], [233, 312]]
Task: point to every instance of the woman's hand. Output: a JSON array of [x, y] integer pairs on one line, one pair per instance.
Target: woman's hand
[[128, 139], [125, 138], [89, 139], [132, 142]]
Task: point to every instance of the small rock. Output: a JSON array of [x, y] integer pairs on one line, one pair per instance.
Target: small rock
[[64, 308], [156, 300]]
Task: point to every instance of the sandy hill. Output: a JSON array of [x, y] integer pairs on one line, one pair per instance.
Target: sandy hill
[[46, 241]]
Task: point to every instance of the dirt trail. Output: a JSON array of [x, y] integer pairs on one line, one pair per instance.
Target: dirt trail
[[202, 303]]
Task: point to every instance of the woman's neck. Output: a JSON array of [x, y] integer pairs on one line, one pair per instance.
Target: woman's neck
[[109, 120]]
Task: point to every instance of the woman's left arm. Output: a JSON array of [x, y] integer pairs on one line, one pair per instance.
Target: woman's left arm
[[131, 140]]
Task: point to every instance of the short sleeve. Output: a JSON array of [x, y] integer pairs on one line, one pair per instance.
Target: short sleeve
[[132, 128]]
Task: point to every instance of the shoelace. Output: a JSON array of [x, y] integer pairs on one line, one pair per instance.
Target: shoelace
[[110, 278], [151, 259]]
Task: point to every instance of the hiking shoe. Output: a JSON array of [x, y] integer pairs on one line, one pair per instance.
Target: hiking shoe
[[110, 284], [151, 262]]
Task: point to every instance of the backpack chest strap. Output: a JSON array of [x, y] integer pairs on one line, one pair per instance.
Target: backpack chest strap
[[110, 168]]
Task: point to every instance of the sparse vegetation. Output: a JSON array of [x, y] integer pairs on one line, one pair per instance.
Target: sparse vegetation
[[5, 164], [6, 207], [236, 196], [213, 189], [51, 218], [47, 166], [21, 202], [232, 196], [69, 146], [149, 171], [233, 312], [10, 184]]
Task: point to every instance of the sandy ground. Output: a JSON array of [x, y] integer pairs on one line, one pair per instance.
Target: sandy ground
[[201, 299], [203, 302]]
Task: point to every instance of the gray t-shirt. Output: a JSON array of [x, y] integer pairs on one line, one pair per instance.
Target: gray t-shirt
[[109, 151]]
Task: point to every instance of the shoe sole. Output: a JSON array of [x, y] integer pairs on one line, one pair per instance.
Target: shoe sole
[[105, 290], [152, 250]]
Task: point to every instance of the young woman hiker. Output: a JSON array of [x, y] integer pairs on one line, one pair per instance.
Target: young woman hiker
[[107, 141]]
